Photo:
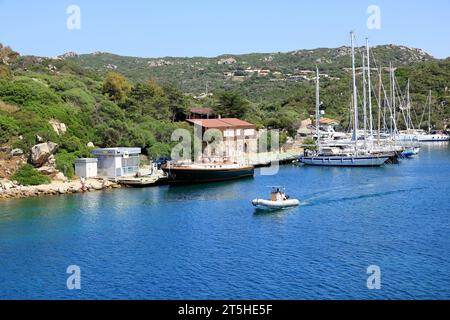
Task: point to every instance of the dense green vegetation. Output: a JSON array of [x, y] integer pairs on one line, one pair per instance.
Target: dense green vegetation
[[107, 112], [29, 176], [276, 100], [142, 101], [193, 75]]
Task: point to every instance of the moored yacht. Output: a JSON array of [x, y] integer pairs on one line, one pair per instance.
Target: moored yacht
[[206, 172], [346, 160], [349, 154]]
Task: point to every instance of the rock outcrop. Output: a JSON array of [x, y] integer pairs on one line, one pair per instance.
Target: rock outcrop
[[59, 127], [60, 177], [16, 152], [41, 153]]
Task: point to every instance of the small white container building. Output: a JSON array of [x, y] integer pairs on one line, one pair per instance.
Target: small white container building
[[86, 167], [117, 162]]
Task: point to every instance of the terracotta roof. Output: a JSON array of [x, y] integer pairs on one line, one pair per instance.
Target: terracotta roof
[[222, 123], [205, 111]]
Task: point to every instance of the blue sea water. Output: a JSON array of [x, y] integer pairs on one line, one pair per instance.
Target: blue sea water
[[207, 242]]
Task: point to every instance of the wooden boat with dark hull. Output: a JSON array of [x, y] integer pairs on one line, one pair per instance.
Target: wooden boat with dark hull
[[203, 173]]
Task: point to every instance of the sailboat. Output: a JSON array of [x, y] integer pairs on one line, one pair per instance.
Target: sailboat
[[352, 158], [419, 135], [431, 136]]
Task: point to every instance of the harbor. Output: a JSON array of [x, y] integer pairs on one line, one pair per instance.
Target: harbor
[[208, 241], [225, 159]]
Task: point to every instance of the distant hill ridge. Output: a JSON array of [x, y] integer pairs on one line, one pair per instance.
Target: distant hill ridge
[[194, 74]]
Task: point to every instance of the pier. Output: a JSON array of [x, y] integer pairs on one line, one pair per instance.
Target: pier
[[266, 158]]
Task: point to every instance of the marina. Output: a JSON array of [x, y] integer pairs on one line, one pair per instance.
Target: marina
[[225, 159], [206, 242]]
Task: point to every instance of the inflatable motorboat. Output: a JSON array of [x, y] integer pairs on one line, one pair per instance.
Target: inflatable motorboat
[[278, 200]]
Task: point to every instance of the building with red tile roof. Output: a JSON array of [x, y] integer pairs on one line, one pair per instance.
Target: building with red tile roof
[[239, 137], [201, 113]]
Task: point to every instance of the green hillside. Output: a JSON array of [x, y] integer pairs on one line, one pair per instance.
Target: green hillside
[[111, 100], [193, 75]]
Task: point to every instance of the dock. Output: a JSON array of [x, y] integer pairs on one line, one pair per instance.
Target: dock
[[265, 159]]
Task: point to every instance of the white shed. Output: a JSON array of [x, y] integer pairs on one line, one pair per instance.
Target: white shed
[[117, 162], [86, 167]]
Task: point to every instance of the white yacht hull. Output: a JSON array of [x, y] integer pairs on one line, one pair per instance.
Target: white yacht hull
[[423, 137], [433, 138], [337, 161]]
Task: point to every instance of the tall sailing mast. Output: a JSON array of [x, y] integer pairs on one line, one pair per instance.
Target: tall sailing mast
[[318, 109], [364, 96], [394, 105], [370, 88], [391, 92], [409, 124], [429, 113], [355, 99], [379, 102]]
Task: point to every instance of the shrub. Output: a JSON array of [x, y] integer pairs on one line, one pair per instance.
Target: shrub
[[30, 124], [71, 143], [310, 144], [78, 97], [66, 83], [5, 73], [116, 86], [29, 176], [8, 128], [26, 91], [65, 163], [159, 149]]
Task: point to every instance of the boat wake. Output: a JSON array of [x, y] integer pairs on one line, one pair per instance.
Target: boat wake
[[315, 201]]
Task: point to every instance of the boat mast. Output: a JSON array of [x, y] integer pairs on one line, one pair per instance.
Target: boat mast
[[390, 93], [355, 99], [379, 103], [370, 88], [318, 109], [429, 113], [409, 123], [394, 102], [364, 96]]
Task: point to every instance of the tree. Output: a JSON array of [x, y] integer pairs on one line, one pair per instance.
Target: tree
[[177, 103], [149, 89], [116, 86], [231, 105], [7, 56]]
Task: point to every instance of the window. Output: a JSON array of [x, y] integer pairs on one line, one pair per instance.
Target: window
[[228, 133], [130, 165], [249, 132]]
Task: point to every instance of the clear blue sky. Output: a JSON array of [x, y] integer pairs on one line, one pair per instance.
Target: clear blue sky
[[212, 27]]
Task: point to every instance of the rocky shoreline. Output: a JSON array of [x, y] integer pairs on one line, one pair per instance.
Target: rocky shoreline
[[10, 190]]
